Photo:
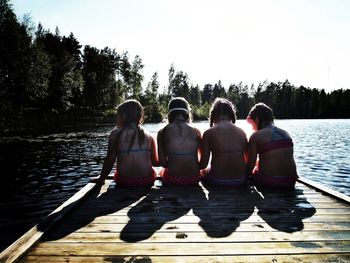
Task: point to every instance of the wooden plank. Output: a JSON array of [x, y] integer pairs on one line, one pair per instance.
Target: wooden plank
[[164, 237], [148, 208], [195, 259], [221, 218], [187, 193], [211, 204], [222, 212], [325, 190], [178, 224], [30, 238], [225, 203], [173, 249], [174, 227]]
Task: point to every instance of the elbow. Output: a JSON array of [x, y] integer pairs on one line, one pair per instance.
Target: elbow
[[249, 170]]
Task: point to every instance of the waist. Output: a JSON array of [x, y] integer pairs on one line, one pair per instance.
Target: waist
[[281, 176], [212, 180], [211, 177]]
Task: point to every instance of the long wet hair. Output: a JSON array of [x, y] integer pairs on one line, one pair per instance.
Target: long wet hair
[[263, 112], [133, 114], [222, 107]]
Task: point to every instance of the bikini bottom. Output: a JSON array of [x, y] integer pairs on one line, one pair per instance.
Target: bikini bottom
[[211, 180], [264, 180], [135, 181], [178, 180]]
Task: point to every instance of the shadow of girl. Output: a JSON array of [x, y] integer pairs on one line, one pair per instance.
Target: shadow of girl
[[284, 209], [96, 205], [225, 208], [162, 205]]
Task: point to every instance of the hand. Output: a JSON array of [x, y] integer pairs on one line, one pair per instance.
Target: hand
[[97, 180]]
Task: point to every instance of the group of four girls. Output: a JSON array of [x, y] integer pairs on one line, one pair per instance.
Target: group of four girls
[[184, 153]]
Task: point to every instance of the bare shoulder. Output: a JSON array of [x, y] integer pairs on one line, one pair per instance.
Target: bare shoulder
[[241, 131], [197, 131], [114, 134], [148, 135], [255, 137], [208, 132], [284, 131], [113, 138], [160, 132]]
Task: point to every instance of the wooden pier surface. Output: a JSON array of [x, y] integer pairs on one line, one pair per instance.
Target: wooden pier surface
[[196, 224]]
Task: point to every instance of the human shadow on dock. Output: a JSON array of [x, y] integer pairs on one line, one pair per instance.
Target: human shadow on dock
[[161, 206], [225, 209], [95, 205], [284, 209]]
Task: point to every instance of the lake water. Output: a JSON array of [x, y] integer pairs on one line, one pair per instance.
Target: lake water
[[39, 173]]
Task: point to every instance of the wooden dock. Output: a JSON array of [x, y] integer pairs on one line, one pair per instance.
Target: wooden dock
[[191, 224]]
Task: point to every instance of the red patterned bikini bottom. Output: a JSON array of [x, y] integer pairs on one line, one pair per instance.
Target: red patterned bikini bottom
[[135, 181], [179, 180]]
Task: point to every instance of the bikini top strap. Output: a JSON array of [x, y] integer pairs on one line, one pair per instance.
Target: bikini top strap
[[275, 132]]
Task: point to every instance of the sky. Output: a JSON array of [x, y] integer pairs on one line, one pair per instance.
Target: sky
[[304, 41]]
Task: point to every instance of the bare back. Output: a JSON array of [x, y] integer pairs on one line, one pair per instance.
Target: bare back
[[275, 162], [227, 144], [178, 146], [134, 160]]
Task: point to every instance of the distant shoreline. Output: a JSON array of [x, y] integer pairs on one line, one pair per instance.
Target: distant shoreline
[[37, 122]]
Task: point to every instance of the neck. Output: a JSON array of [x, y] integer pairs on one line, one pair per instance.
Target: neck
[[222, 120], [269, 125], [132, 125], [179, 118]]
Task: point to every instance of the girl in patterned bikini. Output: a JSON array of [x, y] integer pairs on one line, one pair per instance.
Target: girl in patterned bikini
[[274, 149], [227, 145], [179, 146], [132, 146]]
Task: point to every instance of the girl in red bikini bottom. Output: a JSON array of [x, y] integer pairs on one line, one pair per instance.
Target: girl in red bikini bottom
[[178, 180], [135, 181], [179, 145], [132, 146]]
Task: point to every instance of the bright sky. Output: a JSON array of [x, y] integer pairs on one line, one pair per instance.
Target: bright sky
[[304, 41]]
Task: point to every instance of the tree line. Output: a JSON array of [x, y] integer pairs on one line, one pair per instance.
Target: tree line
[[43, 71]]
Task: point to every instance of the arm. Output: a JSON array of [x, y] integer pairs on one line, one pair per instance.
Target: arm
[[205, 151], [109, 159], [154, 155], [245, 149], [252, 155], [199, 140], [163, 160]]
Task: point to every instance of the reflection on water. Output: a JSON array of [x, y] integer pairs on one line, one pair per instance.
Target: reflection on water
[[38, 174]]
